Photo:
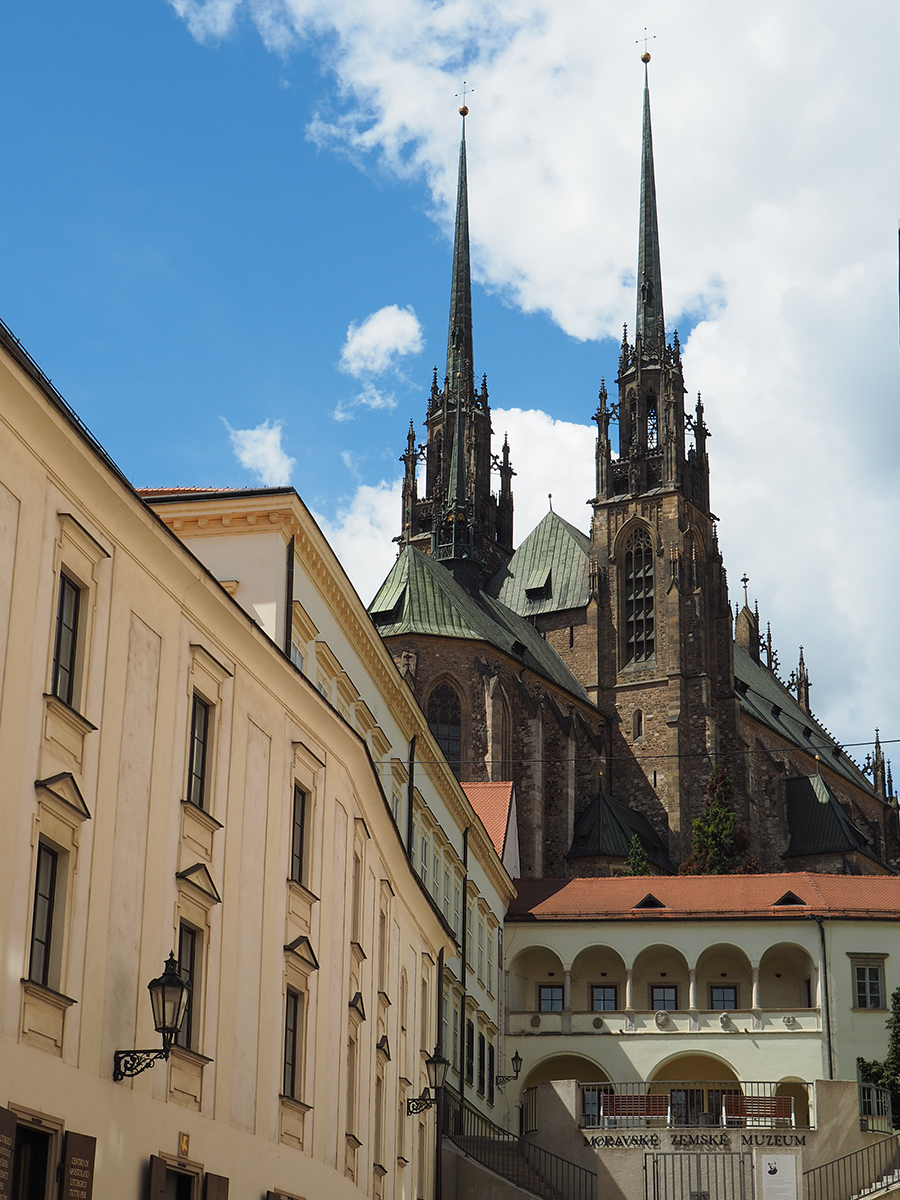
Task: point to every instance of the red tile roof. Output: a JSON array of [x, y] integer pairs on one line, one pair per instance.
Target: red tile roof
[[491, 802], [729, 897]]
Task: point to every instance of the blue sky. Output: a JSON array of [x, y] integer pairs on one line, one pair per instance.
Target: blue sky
[[202, 197]]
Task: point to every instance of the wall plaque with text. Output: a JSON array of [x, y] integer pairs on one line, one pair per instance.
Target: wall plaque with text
[[7, 1145], [78, 1166]]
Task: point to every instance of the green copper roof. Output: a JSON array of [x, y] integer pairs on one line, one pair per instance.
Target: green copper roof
[[764, 696], [606, 827], [818, 823], [549, 572], [650, 320], [420, 596]]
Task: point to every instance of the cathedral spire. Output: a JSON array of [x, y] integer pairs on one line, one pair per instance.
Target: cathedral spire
[[459, 339], [650, 326]]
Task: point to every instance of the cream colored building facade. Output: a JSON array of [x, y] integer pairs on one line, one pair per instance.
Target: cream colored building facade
[[171, 780]]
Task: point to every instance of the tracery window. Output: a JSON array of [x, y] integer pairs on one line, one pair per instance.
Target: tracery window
[[444, 720], [652, 423], [638, 592]]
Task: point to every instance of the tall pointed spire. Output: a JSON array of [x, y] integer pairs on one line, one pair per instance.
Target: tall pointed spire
[[650, 325], [459, 340]]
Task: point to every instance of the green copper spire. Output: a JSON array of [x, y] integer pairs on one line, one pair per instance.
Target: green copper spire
[[459, 341], [650, 324]]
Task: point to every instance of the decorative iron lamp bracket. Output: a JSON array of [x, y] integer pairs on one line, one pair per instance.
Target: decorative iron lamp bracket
[[420, 1104], [131, 1062], [500, 1080]]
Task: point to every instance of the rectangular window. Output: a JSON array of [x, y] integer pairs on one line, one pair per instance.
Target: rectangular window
[[723, 997], [446, 906], [42, 922], [491, 1072], [356, 899], [298, 832], [489, 982], [436, 877], [293, 1025], [550, 997], [663, 996], [457, 909], [481, 1064], [351, 1084], [470, 1052], [603, 998], [188, 969], [469, 935], [445, 1022], [424, 860], [869, 989], [395, 807], [297, 655], [481, 949], [65, 644], [198, 754], [454, 1058]]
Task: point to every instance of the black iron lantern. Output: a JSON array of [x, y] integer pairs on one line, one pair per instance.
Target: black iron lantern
[[436, 1067], [169, 998], [516, 1066]]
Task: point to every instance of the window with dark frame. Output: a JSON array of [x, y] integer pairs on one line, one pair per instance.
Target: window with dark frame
[[298, 833], [198, 751], [723, 997], [664, 996], [293, 1017], [188, 939], [491, 1072], [550, 997], [481, 1063], [869, 985], [638, 597], [603, 997], [42, 922], [445, 721], [470, 1052], [65, 643]]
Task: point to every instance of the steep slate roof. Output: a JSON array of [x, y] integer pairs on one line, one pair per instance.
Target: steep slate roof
[[606, 828], [491, 802], [420, 596], [818, 823], [761, 692], [722, 897], [552, 564]]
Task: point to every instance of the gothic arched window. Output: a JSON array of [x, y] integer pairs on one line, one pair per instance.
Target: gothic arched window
[[444, 720], [652, 423], [638, 593]]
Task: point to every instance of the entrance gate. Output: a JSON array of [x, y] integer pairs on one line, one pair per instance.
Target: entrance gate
[[697, 1177]]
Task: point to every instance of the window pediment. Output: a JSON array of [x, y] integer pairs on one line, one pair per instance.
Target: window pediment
[[63, 787], [198, 876]]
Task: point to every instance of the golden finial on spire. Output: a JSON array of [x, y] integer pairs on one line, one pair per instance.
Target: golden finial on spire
[[645, 57], [464, 108]]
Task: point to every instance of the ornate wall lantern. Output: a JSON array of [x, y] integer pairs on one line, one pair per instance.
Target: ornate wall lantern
[[169, 996]]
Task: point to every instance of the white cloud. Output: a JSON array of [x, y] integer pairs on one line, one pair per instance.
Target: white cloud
[[259, 450], [361, 533], [373, 346], [370, 397], [778, 208]]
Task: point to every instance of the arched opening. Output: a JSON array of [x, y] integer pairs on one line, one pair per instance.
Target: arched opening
[[536, 981], [637, 725], [445, 722], [724, 979], [637, 591], [698, 1086], [787, 978], [566, 1066], [798, 1092], [598, 981], [661, 981]]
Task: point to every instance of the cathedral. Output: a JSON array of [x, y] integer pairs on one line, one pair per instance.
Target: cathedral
[[606, 673]]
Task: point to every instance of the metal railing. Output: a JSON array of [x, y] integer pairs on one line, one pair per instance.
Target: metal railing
[[668, 1103], [521, 1162], [875, 1108], [859, 1174]]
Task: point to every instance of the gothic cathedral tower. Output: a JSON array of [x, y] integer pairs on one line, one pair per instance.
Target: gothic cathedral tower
[[459, 520], [664, 653]]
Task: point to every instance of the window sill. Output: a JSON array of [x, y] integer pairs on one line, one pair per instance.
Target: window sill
[[868, 1010], [31, 988], [295, 1104], [302, 891], [201, 815], [68, 713], [191, 1056]]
